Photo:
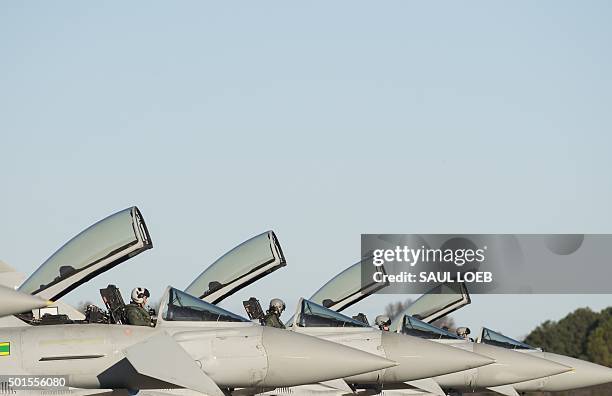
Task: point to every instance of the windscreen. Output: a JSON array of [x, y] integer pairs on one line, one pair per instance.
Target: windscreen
[[415, 327], [182, 307], [494, 338], [315, 315]]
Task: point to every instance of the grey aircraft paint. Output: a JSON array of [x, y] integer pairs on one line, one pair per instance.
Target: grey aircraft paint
[[14, 302], [194, 345], [345, 289]]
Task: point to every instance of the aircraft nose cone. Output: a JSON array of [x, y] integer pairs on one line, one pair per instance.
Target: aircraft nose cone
[[511, 366], [590, 374], [14, 302], [420, 358], [295, 359], [584, 374]]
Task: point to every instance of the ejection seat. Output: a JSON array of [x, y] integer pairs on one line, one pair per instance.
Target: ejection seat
[[115, 305]]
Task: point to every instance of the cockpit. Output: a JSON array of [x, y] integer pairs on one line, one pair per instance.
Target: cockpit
[[175, 306], [491, 337], [415, 327], [439, 301], [315, 315], [182, 307]]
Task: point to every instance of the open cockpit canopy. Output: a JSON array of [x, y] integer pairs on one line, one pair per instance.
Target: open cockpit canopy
[[241, 266], [348, 287], [95, 250], [436, 303]]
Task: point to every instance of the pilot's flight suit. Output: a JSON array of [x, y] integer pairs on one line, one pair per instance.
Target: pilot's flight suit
[[272, 319], [137, 315]]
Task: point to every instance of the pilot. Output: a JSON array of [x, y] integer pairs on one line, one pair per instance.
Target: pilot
[[383, 322], [272, 318], [463, 332], [136, 314]]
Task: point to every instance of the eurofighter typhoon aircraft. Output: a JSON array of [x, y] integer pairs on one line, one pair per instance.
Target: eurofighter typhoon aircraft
[[189, 344], [582, 373], [417, 358], [346, 289]]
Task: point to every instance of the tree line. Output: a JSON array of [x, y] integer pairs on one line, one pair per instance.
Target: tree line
[[583, 334]]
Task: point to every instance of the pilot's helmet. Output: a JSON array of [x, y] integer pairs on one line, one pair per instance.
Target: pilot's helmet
[[382, 320], [139, 294], [463, 332], [278, 305]]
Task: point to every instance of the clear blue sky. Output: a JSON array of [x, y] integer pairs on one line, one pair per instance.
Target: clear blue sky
[[320, 120]]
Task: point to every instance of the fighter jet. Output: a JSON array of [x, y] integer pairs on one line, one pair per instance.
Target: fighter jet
[[346, 288], [584, 373], [417, 358], [190, 343]]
